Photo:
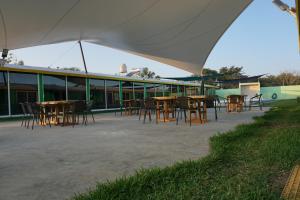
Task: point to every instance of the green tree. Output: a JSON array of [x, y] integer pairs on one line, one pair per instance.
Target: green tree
[[146, 73], [230, 73], [12, 59]]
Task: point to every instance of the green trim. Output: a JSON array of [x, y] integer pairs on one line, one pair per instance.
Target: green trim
[[87, 89], [41, 71], [178, 90], [41, 90], [121, 93], [145, 90]]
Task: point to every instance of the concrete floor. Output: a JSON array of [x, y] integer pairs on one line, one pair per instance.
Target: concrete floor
[[54, 163]]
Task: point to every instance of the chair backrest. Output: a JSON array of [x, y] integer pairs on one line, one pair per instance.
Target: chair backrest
[[149, 103], [182, 102], [210, 101], [32, 108], [79, 106], [141, 103], [89, 105], [23, 108]]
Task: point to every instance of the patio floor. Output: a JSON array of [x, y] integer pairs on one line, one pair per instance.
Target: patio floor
[[55, 163]]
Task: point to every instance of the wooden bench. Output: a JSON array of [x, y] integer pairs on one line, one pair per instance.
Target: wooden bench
[[291, 189]]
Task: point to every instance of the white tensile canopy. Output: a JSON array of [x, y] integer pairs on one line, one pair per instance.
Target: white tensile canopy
[[180, 33]]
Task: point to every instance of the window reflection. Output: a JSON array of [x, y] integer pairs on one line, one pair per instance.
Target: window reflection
[[54, 87], [97, 88], [112, 93], [138, 90], [3, 94], [23, 88], [76, 88]]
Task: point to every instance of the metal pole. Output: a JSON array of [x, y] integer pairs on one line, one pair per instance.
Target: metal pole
[[82, 55]]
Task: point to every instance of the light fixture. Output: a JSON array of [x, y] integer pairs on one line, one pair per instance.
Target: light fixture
[[4, 53], [284, 7]]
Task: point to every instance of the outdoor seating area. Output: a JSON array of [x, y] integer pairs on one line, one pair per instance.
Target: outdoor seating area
[[71, 159], [55, 113]]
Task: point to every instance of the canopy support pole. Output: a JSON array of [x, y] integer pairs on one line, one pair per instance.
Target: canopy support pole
[[82, 55]]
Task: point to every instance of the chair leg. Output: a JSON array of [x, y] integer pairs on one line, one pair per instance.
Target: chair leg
[[92, 116], [200, 117], [140, 113], [190, 118], [149, 113], [22, 121], [32, 123], [145, 114]]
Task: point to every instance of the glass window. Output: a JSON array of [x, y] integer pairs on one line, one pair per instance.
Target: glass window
[[190, 90], [139, 90], [112, 93], [174, 90], [54, 87], [97, 88], [181, 90], [168, 90], [127, 89], [150, 89], [76, 88], [23, 88], [160, 90], [3, 94]]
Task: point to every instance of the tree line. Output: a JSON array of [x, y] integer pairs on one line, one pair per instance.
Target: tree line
[[230, 73]]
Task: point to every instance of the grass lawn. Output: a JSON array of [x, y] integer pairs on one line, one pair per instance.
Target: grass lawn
[[251, 162]]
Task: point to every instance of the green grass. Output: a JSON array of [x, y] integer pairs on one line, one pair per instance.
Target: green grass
[[251, 162]]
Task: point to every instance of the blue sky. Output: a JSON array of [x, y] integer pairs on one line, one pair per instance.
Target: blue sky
[[262, 40]]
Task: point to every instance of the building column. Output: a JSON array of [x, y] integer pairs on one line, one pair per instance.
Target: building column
[[87, 89], [145, 90], [121, 93], [41, 92]]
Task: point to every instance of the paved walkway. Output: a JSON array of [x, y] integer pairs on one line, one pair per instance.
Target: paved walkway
[[54, 163]]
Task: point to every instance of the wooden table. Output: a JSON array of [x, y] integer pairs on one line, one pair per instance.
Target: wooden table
[[55, 108], [203, 108], [127, 106], [167, 102], [235, 102]]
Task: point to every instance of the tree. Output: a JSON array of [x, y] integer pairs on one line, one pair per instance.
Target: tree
[[12, 59], [230, 73], [284, 78], [270, 80], [209, 74], [75, 69], [289, 78], [146, 73]]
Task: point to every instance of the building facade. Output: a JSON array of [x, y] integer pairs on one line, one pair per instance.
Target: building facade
[[34, 84]]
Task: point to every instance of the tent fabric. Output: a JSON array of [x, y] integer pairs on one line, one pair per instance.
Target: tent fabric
[[175, 32]]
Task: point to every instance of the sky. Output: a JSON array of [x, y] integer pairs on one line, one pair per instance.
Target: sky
[[262, 40]]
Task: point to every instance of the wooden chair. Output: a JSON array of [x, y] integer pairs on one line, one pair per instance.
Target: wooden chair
[[184, 105], [147, 107], [25, 114], [88, 111], [212, 102]]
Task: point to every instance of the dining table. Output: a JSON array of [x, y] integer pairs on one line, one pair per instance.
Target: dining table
[[236, 102], [167, 103], [57, 111], [200, 102]]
